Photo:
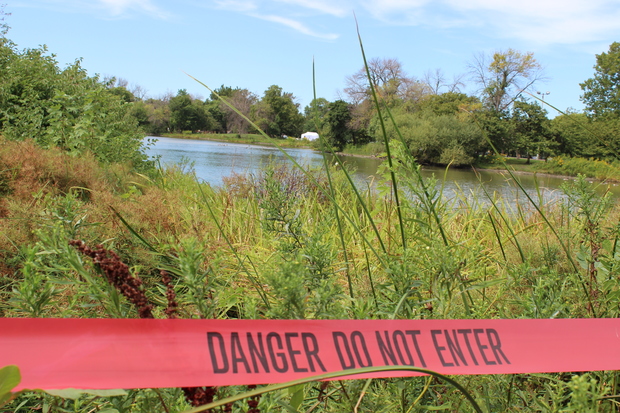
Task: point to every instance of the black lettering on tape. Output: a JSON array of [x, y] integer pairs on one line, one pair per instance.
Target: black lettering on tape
[[482, 347], [358, 340], [307, 339], [496, 345], [464, 333], [292, 353], [257, 353], [414, 334], [340, 341], [455, 347], [211, 336], [275, 356], [403, 345], [236, 353], [439, 349], [385, 347]]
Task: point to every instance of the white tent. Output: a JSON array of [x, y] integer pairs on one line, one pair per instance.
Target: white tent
[[311, 136]]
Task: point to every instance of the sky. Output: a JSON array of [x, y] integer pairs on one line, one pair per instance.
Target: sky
[[254, 44]]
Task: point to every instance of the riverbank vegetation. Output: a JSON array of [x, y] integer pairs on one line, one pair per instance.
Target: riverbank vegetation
[[248, 138], [289, 243]]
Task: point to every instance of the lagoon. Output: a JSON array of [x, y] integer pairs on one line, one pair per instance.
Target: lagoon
[[212, 161]]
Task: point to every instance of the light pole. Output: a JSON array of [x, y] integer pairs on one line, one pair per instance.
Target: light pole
[[543, 94]]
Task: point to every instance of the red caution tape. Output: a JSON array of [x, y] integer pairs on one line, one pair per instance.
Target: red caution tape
[[110, 353]]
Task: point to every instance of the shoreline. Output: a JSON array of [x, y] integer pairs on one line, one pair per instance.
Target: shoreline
[[251, 141]]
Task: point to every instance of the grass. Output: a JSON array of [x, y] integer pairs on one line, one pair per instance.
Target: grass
[[267, 246], [518, 164], [250, 139], [559, 165]]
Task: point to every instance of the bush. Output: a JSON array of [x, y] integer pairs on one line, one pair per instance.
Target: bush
[[65, 108]]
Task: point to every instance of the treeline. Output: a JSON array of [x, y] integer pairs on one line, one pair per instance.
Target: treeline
[[438, 122], [276, 113]]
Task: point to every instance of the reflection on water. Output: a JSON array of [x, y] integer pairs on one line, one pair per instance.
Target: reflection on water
[[214, 160]]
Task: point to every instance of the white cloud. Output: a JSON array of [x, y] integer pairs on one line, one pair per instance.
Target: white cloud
[[240, 6], [541, 21], [102, 8], [296, 25], [333, 8], [118, 8]]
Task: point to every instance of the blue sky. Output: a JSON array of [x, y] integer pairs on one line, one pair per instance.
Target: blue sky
[[257, 43]]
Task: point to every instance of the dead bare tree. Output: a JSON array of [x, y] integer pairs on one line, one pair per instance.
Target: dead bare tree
[[437, 82], [243, 100]]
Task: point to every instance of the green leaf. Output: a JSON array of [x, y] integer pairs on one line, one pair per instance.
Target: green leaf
[[297, 396], [10, 377], [74, 394]]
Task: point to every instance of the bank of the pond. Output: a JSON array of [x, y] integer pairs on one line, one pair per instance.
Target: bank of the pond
[[558, 166], [246, 138]]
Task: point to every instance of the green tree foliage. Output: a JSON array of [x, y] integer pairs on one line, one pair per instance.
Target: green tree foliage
[[216, 109], [315, 112], [158, 115], [532, 135], [187, 113], [450, 138], [277, 113], [497, 128], [64, 107], [123, 93], [449, 103], [573, 132], [337, 119], [601, 93]]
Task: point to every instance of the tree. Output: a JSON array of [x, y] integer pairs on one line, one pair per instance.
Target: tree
[[572, 131], [447, 138], [449, 103], [217, 110], [187, 113], [243, 100], [315, 112], [437, 83], [277, 113], [158, 111], [389, 79], [337, 120], [505, 77], [4, 28], [392, 86], [602, 92], [531, 130], [498, 129]]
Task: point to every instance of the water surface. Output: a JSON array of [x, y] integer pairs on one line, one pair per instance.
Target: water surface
[[212, 161]]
